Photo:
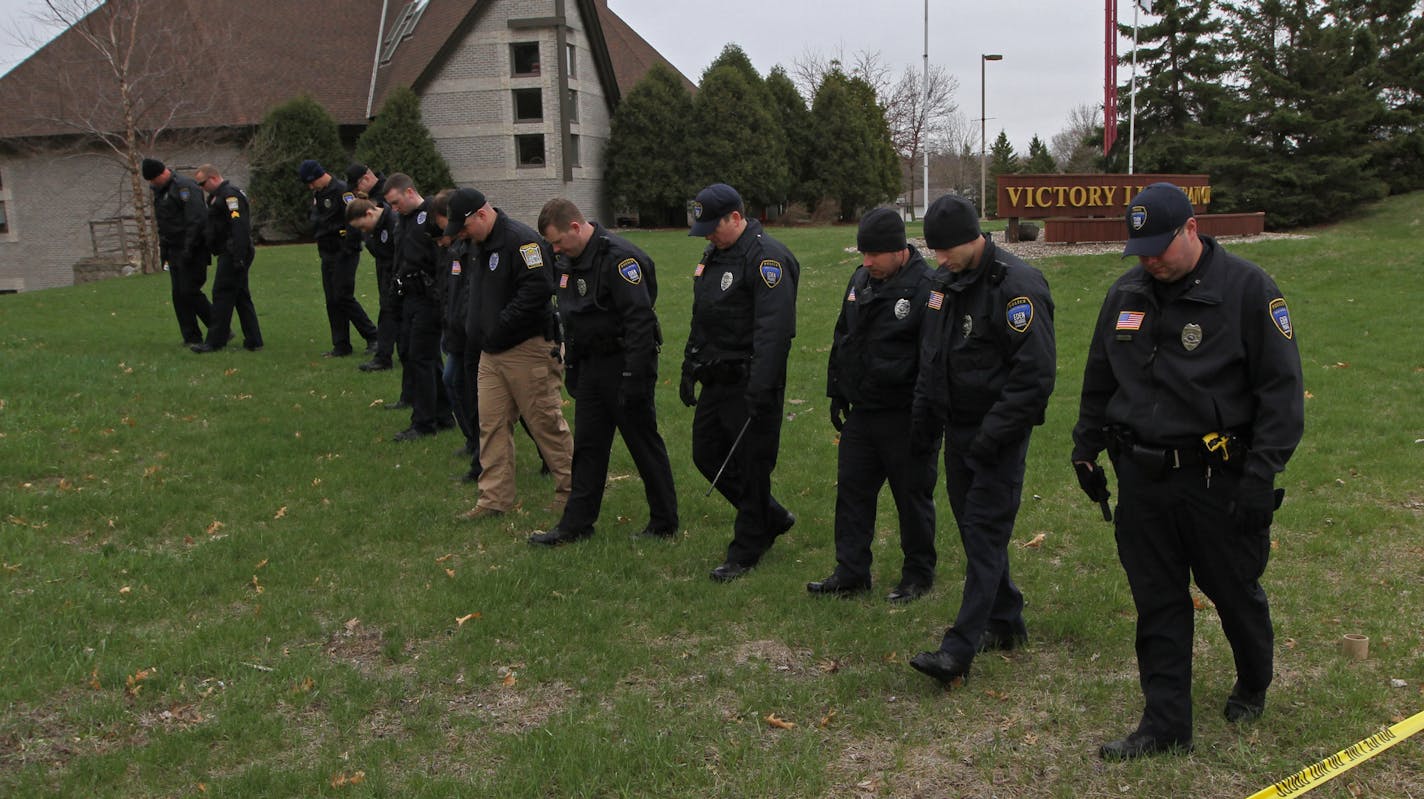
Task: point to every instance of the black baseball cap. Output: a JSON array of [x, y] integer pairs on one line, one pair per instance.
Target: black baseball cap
[[353, 174], [1153, 218], [463, 202], [710, 205]]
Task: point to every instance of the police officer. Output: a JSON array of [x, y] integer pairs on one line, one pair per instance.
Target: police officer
[[379, 224], [606, 291], [875, 354], [743, 320], [419, 282], [459, 382], [511, 316], [229, 237], [340, 250], [986, 373], [182, 217], [367, 184], [1193, 386]]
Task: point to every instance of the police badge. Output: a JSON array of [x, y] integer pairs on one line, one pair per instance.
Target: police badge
[[494, 261], [967, 325], [420, 218], [582, 287], [902, 308], [726, 280], [385, 236], [1191, 336]]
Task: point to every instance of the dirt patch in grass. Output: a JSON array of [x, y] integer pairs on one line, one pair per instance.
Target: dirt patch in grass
[[52, 735], [776, 655]]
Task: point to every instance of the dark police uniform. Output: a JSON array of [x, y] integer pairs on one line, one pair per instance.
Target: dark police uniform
[[458, 379], [229, 234], [381, 244], [419, 282], [1168, 364], [987, 371], [339, 247], [743, 320], [182, 219], [612, 340], [875, 356]]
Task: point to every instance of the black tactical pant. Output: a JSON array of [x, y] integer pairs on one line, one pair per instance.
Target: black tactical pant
[[338, 284], [874, 448], [230, 292], [746, 483], [597, 414], [1170, 530], [985, 499], [388, 318], [421, 373], [186, 275]]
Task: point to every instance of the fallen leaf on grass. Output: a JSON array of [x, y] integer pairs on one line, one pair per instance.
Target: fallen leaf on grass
[[826, 719], [229, 372], [1035, 542], [460, 622], [444, 558], [129, 420], [779, 723], [151, 470], [510, 680], [282, 511], [376, 403], [342, 780], [94, 679], [1341, 365], [212, 528], [352, 624], [892, 657], [305, 686], [829, 666], [125, 591], [1198, 604], [449, 572], [260, 564], [256, 586], [992, 694], [134, 682], [12, 567]]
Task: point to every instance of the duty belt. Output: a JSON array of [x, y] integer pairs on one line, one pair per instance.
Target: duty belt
[[722, 372]]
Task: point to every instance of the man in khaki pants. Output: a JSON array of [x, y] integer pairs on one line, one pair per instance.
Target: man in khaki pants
[[511, 321]]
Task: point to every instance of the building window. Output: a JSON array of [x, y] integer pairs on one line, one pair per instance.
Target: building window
[[574, 151], [4, 220], [573, 62], [573, 106], [529, 149], [528, 105], [403, 28], [524, 56]]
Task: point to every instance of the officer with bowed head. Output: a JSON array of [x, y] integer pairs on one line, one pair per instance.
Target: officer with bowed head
[[368, 185], [1193, 387], [987, 369], [339, 249], [743, 320], [229, 237], [182, 218], [875, 355]]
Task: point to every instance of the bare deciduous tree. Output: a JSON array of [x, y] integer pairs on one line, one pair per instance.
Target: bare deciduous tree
[[917, 122], [1073, 146], [812, 66]]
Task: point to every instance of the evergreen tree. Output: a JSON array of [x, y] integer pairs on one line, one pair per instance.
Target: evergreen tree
[[734, 56], [736, 137], [645, 163], [290, 133], [1303, 151], [1396, 35], [1040, 160], [1181, 91], [399, 141], [855, 162], [1002, 161], [796, 123]]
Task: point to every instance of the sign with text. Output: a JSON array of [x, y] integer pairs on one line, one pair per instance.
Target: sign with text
[[1082, 195]]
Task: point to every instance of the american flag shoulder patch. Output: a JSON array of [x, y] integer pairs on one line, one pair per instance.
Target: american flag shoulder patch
[[936, 300], [1130, 320]]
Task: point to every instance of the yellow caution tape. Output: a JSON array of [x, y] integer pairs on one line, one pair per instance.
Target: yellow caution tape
[[1342, 761]]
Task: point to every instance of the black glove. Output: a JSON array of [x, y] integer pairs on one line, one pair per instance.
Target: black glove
[[839, 409], [926, 432], [984, 449], [1094, 482], [687, 389], [633, 389], [761, 404], [1255, 504]]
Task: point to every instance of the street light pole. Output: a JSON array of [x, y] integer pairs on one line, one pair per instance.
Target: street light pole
[[983, 124], [925, 114]]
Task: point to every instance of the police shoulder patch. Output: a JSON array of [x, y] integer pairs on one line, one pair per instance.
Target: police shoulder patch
[[184, 194], [347, 197], [630, 271], [1019, 314], [532, 255], [232, 204], [771, 272], [1280, 315]]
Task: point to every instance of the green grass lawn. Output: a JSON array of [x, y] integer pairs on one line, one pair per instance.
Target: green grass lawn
[[221, 578]]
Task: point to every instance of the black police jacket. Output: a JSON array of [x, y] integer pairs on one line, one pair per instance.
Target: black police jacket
[[744, 308], [328, 218], [229, 230], [875, 350], [457, 260], [416, 249], [381, 241], [988, 356], [182, 217], [1220, 357], [605, 299], [510, 286]]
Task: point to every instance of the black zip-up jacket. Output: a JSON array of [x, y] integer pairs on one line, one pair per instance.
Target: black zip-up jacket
[[989, 357], [606, 298], [875, 350], [457, 294], [744, 308], [1220, 357], [416, 250], [511, 287], [328, 218], [182, 217], [229, 230]]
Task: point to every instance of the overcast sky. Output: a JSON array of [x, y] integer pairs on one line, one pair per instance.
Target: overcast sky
[[1053, 49]]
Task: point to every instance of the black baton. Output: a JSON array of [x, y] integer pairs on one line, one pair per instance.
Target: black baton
[[728, 459]]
